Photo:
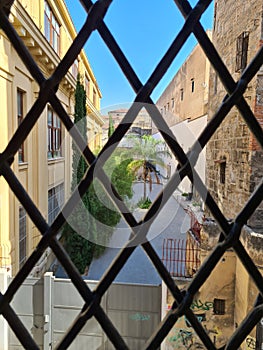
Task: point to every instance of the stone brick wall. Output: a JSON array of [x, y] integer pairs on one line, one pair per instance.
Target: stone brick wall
[[256, 220], [233, 143]]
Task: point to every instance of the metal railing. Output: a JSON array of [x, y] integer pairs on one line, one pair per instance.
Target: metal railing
[[230, 231], [181, 257], [195, 225]]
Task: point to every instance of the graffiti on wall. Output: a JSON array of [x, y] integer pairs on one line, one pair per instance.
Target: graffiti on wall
[[200, 317], [251, 343], [183, 339], [140, 317], [204, 306], [198, 305]]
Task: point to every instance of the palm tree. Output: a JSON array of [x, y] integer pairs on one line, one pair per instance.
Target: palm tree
[[147, 153], [111, 127]]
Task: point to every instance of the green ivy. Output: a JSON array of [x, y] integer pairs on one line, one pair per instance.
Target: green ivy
[[79, 228], [95, 217]]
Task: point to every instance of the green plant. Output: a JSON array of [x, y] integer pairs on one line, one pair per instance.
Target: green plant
[[147, 154], [111, 127], [144, 203], [196, 204], [95, 217], [185, 194], [78, 229]]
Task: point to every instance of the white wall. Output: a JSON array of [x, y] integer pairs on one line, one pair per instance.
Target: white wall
[[47, 306], [186, 133]]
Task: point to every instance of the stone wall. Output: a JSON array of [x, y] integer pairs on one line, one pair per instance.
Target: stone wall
[[256, 220], [233, 143]]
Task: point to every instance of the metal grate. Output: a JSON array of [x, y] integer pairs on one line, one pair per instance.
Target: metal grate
[[181, 257], [230, 231]]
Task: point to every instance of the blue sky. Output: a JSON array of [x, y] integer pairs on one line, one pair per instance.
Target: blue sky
[[144, 29]]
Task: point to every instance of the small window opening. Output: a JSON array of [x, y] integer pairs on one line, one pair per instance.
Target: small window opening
[[219, 306], [241, 51], [192, 85], [182, 94], [223, 172]]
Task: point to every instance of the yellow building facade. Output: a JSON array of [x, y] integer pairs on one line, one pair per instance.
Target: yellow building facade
[[43, 163]]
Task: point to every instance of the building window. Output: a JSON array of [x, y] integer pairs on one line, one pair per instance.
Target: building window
[[75, 68], [222, 172], [219, 306], [20, 116], [242, 49], [52, 28], [192, 85], [54, 135], [181, 94], [168, 106], [55, 201], [22, 236], [172, 103]]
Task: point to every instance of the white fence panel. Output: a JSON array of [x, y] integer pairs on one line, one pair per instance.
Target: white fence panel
[[48, 306]]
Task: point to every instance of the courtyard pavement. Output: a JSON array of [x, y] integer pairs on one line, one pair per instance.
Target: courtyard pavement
[[172, 222]]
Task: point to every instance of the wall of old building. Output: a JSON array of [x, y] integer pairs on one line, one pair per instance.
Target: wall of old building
[[219, 286], [179, 102], [37, 173], [246, 289], [231, 280], [229, 284], [232, 148], [183, 104], [233, 171]]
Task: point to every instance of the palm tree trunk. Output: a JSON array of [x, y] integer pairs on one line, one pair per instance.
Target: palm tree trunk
[[144, 189], [144, 180]]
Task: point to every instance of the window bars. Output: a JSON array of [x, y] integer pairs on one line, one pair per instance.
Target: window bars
[[230, 231]]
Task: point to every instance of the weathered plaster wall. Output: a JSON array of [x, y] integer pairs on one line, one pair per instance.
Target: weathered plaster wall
[[233, 141]]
